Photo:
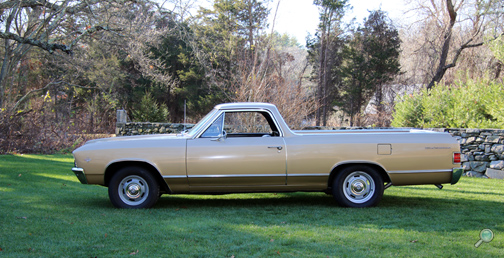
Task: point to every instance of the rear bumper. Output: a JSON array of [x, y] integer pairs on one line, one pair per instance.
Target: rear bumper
[[456, 174], [79, 172]]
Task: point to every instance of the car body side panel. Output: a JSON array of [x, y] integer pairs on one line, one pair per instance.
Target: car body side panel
[[165, 154], [413, 157], [242, 161]]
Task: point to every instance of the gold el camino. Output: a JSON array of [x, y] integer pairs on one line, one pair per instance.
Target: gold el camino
[[248, 147]]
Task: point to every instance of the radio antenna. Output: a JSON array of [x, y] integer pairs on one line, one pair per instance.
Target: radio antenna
[[185, 105]]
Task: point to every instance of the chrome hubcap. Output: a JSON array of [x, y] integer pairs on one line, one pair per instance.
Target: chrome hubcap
[[359, 187], [133, 190]]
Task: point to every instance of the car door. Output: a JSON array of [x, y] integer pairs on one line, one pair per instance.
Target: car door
[[239, 150]]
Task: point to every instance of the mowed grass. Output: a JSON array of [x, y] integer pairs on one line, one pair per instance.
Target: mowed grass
[[46, 212]]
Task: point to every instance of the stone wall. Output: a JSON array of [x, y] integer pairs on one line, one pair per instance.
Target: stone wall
[[137, 128], [482, 149]]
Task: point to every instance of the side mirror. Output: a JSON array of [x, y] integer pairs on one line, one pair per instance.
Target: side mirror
[[222, 136]]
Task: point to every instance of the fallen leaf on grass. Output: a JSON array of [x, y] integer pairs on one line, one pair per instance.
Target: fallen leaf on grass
[[414, 241], [278, 252], [133, 253], [2, 250], [106, 235]]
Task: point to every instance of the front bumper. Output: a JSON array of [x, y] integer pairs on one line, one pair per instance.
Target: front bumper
[[456, 174], [79, 172]]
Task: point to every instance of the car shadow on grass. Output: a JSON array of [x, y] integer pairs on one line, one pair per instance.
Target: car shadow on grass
[[247, 200]]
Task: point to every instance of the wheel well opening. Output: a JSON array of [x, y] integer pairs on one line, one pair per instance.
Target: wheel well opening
[[109, 172], [337, 169]]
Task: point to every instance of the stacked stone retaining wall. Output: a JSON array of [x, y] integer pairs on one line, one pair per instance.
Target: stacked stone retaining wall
[[143, 128], [482, 149]]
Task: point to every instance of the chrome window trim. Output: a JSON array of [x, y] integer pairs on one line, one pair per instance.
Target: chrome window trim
[[212, 120], [209, 121], [210, 125]]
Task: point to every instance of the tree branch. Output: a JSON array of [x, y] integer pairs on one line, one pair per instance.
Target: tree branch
[[44, 45], [81, 6], [89, 32], [22, 99], [51, 47], [464, 46]]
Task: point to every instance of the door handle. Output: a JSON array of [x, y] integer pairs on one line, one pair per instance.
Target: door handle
[[275, 147]]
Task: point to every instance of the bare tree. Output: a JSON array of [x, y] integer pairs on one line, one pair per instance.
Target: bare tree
[[283, 82], [449, 28], [51, 26], [131, 27]]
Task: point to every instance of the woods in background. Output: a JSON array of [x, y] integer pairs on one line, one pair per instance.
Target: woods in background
[[67, 66]]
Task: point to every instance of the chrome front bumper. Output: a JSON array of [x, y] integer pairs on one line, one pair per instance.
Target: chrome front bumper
[[79, 172], [456, 174]]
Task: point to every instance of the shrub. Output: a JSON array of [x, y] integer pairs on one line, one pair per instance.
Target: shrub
[[148, 110], [471, 104]]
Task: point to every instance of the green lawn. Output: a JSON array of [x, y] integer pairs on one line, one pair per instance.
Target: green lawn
[[46, 212]]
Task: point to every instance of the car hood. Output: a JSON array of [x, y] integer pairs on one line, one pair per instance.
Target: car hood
[[139, 141], [138, 138]]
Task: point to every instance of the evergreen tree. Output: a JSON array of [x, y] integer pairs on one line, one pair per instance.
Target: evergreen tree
[[178, 58], [228, 38], [149, 110], [324, 52], [381, 44], [371, 60]]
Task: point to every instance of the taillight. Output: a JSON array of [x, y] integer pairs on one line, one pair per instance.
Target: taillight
[[456, 158]]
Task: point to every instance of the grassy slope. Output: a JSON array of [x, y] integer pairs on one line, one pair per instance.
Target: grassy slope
[[46, 212]]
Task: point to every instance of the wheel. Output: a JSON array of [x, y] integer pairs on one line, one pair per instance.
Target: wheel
[[358, 187], [133, 188]]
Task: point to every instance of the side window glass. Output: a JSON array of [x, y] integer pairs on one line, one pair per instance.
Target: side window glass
[[247, 124], [215, 130]]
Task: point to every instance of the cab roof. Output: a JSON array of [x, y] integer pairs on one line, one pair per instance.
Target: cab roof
[[246, 105]]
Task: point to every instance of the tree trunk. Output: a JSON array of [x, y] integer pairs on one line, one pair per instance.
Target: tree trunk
[[498, 70], [6, 60], [322, 72], [3, 73], [441, 69]]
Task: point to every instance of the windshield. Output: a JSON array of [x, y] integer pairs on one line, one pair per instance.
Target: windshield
[[200, 124]]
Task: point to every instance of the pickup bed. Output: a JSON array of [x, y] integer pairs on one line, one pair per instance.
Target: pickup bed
[[248, 147]]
